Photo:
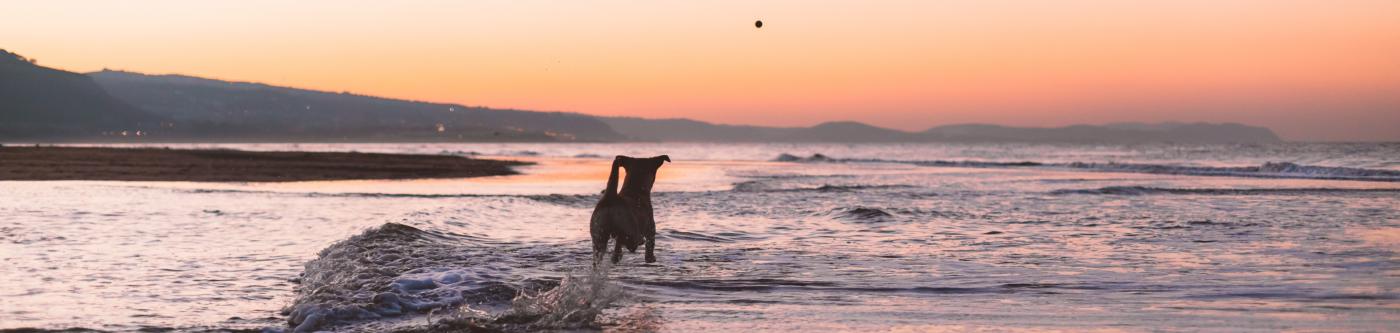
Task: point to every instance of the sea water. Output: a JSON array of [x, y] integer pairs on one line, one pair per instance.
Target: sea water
[[751, 237]]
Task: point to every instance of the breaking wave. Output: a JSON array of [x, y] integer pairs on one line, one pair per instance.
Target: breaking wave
[[1266, 170], [398, 271], [765, 186], [861, 214], [1144, 190]]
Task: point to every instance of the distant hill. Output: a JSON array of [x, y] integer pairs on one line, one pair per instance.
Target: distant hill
[[206, 109], [686, 130], [690, 130], [1204, 132], [44, 104], [849, 131], [1112, 133]]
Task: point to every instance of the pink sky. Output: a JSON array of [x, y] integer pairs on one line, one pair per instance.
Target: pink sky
[[1311, 70]]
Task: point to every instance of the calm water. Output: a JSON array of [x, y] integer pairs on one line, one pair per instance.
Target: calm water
[[864, 238]]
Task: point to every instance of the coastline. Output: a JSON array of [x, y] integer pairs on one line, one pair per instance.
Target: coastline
[[227, 165]]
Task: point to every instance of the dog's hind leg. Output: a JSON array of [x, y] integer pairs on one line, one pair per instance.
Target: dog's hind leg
[[651, 243], [600, 248], [617, 251]]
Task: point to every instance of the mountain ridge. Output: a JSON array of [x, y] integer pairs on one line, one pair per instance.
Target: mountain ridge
[[681, 129], [177, 107], [233, 109], [42, 103]]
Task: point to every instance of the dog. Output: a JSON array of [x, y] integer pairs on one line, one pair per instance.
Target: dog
[[626, 215]]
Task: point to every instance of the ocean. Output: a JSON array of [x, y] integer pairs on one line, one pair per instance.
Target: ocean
[[751, 237]]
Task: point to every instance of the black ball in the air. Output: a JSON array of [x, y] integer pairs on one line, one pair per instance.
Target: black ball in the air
[[757, 24]]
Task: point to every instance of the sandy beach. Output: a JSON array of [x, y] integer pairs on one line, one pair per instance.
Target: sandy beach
[[154, 164]]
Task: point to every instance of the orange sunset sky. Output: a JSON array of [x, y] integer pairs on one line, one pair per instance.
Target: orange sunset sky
[[1311, 70]]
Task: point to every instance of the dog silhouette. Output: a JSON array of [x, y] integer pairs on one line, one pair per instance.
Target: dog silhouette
[[626, 215]]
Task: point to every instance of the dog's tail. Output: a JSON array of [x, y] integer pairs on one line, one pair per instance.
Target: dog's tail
[[612, 177]]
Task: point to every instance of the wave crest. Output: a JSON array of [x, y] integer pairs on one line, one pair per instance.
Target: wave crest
[[394, 270], [766, 186], [1145, 190], [1266, 170]]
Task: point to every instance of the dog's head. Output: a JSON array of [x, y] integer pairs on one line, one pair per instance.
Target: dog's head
[[644, 165], [641, 170]]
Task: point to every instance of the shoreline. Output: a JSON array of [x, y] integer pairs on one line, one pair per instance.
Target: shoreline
[[227, 165]]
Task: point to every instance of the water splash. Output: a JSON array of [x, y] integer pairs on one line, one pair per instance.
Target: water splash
[[575, 303]]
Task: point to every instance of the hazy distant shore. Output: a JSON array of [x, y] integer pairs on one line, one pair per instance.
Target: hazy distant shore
[[223, 165]]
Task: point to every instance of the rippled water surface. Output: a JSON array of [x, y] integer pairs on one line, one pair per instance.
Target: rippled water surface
[[858, 238]]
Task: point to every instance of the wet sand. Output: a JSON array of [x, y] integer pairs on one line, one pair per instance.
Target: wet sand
[[222, 165]]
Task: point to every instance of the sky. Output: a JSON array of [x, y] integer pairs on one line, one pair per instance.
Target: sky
[[1309, 69]]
